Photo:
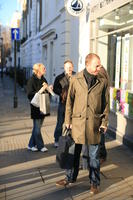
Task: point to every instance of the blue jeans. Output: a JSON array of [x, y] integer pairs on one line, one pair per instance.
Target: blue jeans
[[94, 164], [71, 174], [85, 157], [60, 121], [36, 137]]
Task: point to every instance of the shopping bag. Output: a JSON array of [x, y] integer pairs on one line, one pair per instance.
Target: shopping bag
[[44, 103], [36, 100], [64, 158]]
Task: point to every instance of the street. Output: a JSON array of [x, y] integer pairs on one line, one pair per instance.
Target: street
[[26, 175]]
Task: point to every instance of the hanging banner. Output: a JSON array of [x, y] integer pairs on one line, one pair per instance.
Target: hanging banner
[[75, 7], [125, 63], [118, 62]]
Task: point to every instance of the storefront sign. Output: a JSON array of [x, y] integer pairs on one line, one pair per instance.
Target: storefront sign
[[117, 66], [101, 4], [76, 7]]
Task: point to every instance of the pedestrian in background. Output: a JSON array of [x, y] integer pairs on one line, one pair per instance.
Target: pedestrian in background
[[61, 85], [35, 83], [87, 109]]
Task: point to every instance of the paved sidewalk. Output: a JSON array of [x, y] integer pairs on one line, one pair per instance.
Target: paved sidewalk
[[26, 175]]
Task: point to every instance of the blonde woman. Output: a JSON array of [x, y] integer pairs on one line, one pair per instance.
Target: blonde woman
[[35, 83]]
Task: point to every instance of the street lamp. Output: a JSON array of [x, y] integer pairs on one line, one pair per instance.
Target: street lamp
[[1, 47]]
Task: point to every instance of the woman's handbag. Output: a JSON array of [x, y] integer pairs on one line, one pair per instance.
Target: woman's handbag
[[41, 100], [64, 158], [36, 100]]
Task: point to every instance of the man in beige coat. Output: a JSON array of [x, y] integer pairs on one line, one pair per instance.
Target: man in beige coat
[[87, 109]]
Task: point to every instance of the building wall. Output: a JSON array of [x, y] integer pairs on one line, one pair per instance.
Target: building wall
[[61, 37]]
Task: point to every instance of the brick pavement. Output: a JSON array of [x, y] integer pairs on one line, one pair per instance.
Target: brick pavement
[[25, 175]]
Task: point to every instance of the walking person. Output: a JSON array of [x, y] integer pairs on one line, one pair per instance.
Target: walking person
[[87, 109], [102, 148], [61, 85], [35, 83]]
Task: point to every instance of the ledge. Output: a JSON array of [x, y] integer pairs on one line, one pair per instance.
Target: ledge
[[126, 140]]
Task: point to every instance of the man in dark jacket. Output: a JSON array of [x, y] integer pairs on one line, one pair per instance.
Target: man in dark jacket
[[35, 83], [60, 88]]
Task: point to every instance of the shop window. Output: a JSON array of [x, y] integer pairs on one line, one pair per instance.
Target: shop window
[[117, 19], [114, 45]]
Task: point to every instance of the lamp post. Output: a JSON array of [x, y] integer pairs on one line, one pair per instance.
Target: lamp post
[[1, 47]]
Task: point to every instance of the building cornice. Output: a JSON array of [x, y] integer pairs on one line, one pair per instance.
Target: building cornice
[[48, 34]]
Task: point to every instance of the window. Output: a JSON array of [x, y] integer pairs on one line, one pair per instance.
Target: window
[[115, 46], [40, 20]]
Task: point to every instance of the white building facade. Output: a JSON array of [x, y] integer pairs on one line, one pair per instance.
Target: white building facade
[[49, 34]]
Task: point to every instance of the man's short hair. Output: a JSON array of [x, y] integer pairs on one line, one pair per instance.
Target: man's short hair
[[36, 67], [89, 57], [68, 61]]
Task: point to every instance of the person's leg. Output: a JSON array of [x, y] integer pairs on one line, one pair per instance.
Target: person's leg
[[37, 133], [77, 152], [85, 157], [32, 139], [71, 174], [60, 121], [94, 166]]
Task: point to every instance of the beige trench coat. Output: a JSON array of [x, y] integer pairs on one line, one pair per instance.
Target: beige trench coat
[[87, 109]]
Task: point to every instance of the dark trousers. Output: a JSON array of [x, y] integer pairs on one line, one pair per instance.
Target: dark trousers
[[60, 121], [71, 174]]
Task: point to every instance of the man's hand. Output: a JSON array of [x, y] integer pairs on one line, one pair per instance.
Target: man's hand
[[50, 90], [103, 129], [69, 126], [50, 87]]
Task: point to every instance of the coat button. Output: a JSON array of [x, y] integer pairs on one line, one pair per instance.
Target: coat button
[[87, 118], [87, 105]]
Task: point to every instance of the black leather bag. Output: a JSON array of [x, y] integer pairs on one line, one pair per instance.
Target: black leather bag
[[63, 156]]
